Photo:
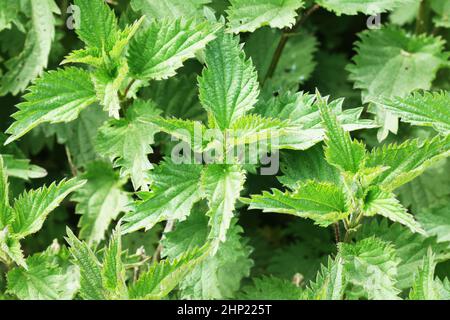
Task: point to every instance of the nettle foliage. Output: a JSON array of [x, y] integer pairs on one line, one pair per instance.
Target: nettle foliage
[[143, 117]]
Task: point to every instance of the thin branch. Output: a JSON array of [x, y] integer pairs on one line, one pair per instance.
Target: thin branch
[[284, 38], [337, 233], [167, 229], [422, 21], [73, 168], [128, 88]]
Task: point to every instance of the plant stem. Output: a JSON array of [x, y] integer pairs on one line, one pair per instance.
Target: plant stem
[[168, 228], [127, 89], [283, 40], [423, 17], [73, 168], [337, 233]]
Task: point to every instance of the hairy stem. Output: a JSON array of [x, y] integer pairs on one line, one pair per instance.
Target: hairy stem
[[337, 233], [283, 40]]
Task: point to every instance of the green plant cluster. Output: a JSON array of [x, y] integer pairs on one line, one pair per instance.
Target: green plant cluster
[[350, 98]]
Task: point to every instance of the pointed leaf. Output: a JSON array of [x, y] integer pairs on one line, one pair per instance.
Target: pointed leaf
[[48, 277], [330, 282], [6, 213], [174, 191], [113, 269], [29, 64], [32, 207], [127, 141], [427, 109], [223, 185], [96, 25], [371, 267], [91, 285], [387, 205], [229, 85], [248, 15], [406, 161], [341, 151], [323, 202], [58, 96], [164, 276], [425, 287], [162, 48]]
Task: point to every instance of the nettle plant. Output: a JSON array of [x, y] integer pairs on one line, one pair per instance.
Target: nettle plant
[[172, 119]]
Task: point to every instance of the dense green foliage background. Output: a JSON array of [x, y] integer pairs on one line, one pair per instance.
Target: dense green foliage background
[[112, 138]]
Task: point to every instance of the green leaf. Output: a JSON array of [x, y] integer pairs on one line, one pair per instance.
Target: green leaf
[[59, 96], [79, 136], [302, 111], [91, 284], [387, 205], [162, 48], [427, 109], [323, 202], [164, 276], [26, 66], [405, 14], [442, 8], [367, 7], [174, 9], [429, 188], [96, 24], [382, 53], [48, 277], [270, 288], [330, 282], [306, 165], [110, 55], [6, 213], [249, 15], [253, 128], [341, 151], [436, 221], [32, 207], [113, 269], [176, 97], [189, 131], [21, 168], [127, 141], [107, 88], [406, 161], [174, 191], [223, 185], [229, 85], [10, 249], [8, 13], [425, 287], [99, 201], [410, 247], [371, 267], [217, 276]]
